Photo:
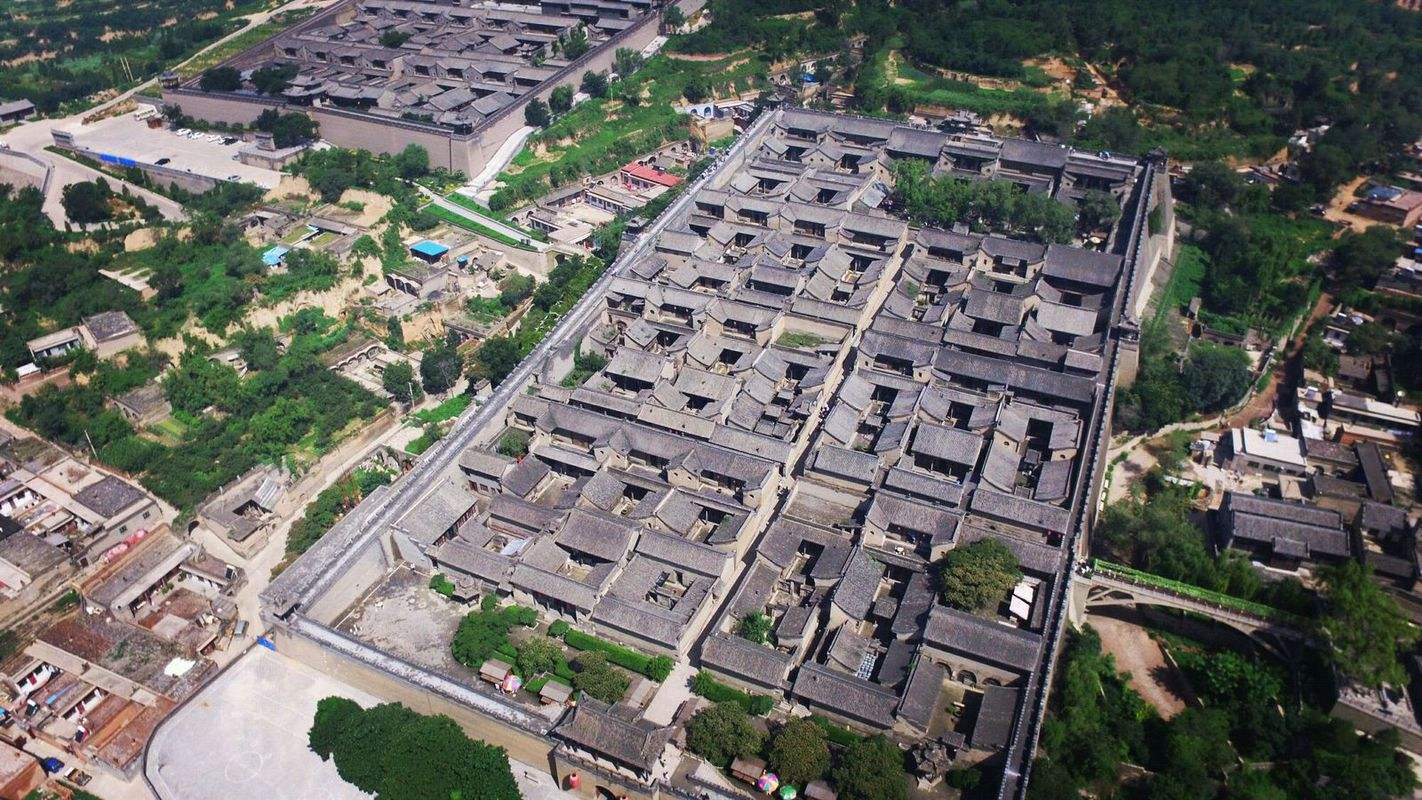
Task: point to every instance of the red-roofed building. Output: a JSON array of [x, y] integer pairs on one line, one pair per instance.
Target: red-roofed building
[[642, 177]]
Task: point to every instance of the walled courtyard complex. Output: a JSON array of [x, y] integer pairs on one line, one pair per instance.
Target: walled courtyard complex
[[804, 402]]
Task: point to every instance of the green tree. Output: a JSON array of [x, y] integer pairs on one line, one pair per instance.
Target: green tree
[[398, 380], [495, 359], [755, 627], [597, 678], [258, 348], [1215, 377], [536, 113], [220, 79], [696, 90], [799, 752], [673, 17], [626, 61], [561, 100], [393, 38], [87, 202], [412, 162], [1317, 355], [394, 333], [1364, 627], [287, 130], [594, 84], [978, 577], [273, 80], [1370, 339], [1097, 210], [537, 655], [514, 289], [396, 754], [1361, 258], [722, 733], [333, 716], [482, 632], [576, 44], [871, 768], [440, 367], [1211, 184]]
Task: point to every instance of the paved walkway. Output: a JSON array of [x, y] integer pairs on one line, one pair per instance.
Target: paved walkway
[[674, 691], [243, 737], [506, 153]]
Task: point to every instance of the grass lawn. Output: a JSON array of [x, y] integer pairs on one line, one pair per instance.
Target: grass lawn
[[296, 235], [1184, 284], [449, 409], [461, 221]]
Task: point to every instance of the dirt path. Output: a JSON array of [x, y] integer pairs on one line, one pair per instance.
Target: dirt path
[[1262, 404], [1337, 210], [1140, 656]]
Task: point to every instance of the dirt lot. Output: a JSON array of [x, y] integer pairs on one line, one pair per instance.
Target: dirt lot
[[405, 617], [1140, 656]]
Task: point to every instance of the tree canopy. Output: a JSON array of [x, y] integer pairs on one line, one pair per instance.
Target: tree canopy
[[977, 577], [440, 367], [799, 752], [1364, 626], [871, 768], [722, 733], [397, 754]]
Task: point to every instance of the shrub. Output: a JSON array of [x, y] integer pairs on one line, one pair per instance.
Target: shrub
[[659, 668], [558, 628], [514, 444], [755, 627], [597, 678], [538, 655], [442, 584], [481, 633], [704, 685], [655, 668]]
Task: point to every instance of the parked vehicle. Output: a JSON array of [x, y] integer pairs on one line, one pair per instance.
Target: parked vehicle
[[52, 765]]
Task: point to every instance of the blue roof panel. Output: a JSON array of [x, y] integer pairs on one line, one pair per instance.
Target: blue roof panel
[[428, 248], [274, 255]]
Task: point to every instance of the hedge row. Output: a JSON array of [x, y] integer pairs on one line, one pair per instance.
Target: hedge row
[[715, 691], [655, 667]]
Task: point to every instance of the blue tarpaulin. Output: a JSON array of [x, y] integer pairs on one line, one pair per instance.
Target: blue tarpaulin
[[275, 255], [267, 643], [428, 250]]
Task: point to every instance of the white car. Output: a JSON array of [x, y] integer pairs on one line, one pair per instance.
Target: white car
[[214, 138], [184, 131]]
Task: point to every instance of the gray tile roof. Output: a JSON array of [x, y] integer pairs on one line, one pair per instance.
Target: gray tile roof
[[982, 640], [109, 496]]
